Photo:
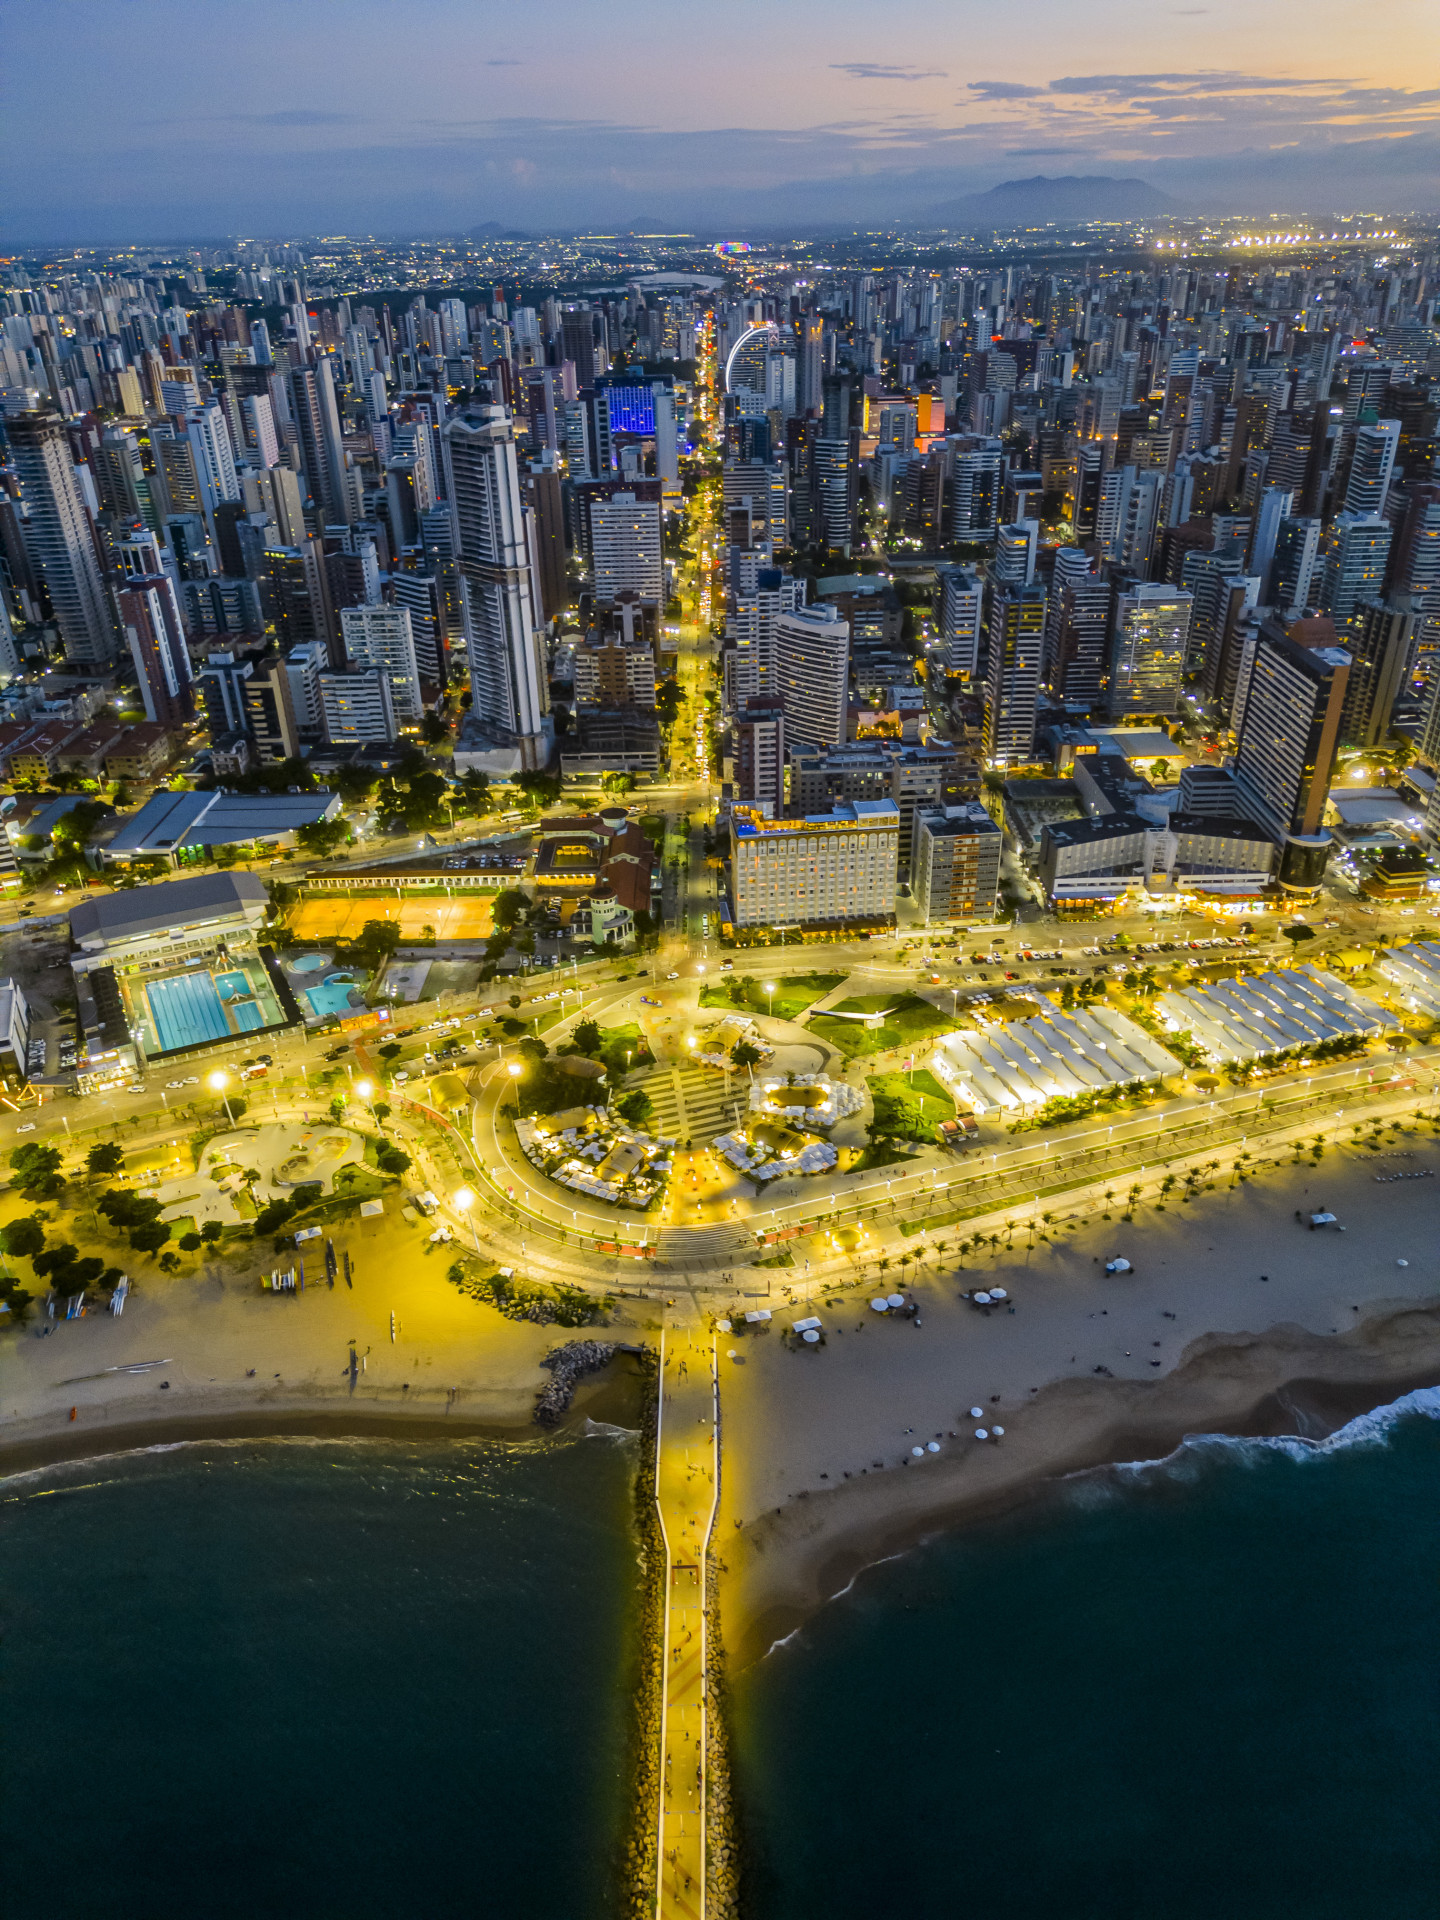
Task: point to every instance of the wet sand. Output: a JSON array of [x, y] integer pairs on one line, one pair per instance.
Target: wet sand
[[240, 1361], [820, 1479]]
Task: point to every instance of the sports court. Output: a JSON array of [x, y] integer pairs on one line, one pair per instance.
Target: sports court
[[343, 916]]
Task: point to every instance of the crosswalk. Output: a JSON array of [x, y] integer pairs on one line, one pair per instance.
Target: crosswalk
[[690, 1102]]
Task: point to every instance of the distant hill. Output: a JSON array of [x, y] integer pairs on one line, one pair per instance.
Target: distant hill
[[492, 230], [1042, 200]]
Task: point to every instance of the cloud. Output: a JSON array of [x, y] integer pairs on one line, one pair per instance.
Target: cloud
[[299, 117], [867, 70], [502, 63], [1121, 84], [1003, 90]]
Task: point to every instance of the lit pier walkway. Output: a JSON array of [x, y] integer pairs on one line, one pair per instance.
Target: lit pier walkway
[[686, 1480]]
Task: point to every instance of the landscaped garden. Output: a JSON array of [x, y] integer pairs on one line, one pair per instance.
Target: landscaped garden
[[793, 993], [907, 1106], [909, 1022]]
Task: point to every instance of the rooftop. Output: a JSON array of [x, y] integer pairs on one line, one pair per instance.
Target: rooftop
[[170, 904], [169, 820]]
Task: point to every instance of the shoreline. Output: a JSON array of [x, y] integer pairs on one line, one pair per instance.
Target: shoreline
[[789, 1563], [129, 1429]]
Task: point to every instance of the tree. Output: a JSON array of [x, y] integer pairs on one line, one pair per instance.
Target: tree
[[390, 1159], [211, 1232], [150, 1239], [105, 1157], [533, 1050], [587, 1036], [391, 1050], [510, 904], [23, 1238], [744, 1054], [190, 1242], [322, 837], [668, 701], [434, 729], [1297, 933], [382, 1111], [37, 1170], [636, 1107]]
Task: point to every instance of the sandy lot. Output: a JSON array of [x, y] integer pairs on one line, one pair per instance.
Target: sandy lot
[[343, 916]]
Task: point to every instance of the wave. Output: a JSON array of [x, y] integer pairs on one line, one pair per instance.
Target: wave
[[1371, 1429]]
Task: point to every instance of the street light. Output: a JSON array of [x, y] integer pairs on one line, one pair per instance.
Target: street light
[[464, 1201], [217, 1084], [770, 989]]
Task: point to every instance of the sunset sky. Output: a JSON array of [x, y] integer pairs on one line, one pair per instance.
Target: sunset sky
[[131, 117]]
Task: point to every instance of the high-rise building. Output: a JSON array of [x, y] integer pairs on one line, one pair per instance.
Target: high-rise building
[[1415, 556], [961, 606], [626, 547], [834, 476], [1285, 754], [976, 490], [155, 636], [322, 450], [1128, 518], [812, 675], [492, 554], [831, 869], [1147, 656], [1016, 548], [59, 538], [956, 862], [295, 597], [304, 666], [1295, 569], [381, 637], [357, 707], [1379, 640], [1077, 633], [269, 715], [1357, 548], [1014, 648], [1372, 465], [760, 756]]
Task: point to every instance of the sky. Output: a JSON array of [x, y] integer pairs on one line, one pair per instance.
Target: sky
[[146, 119]]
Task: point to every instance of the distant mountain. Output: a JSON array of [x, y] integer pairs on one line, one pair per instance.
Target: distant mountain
[[1042, 201], [492, 230]]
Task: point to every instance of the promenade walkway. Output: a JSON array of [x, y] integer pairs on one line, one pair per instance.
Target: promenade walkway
[[686, 1482]]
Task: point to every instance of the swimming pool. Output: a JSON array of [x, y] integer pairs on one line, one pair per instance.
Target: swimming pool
[[331, 996], [309, 963], [186, 1010]]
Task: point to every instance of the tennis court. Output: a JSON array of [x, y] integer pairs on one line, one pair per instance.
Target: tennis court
[[343, 916], [186, 1010]]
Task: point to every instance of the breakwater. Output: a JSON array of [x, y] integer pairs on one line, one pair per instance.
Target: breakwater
[[638, 1876]]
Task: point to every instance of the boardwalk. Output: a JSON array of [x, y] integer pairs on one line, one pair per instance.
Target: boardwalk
[[685, 1492]]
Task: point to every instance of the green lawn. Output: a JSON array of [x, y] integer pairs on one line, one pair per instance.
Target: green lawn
[[911, 1021], [613, 1044], [745, 993], [879, 1156], [920, 1106]]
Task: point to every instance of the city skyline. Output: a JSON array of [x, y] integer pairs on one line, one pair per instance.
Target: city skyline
[[293, 126]]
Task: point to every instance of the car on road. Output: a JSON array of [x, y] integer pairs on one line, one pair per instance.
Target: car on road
[[646, 1001], [672, 976], [173, 1084]]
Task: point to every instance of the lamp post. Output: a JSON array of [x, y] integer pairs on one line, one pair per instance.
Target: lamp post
[[514, 1070], [217, 1084], [365, 1089], [464, 1201], [770, 990]]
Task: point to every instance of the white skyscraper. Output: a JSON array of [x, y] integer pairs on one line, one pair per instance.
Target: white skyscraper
[[961, 598], [625, 542], [507, 674], [381, 636], [812, 675]]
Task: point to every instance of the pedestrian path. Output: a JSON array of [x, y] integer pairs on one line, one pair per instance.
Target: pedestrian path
[[686, 1480], [690, 1102]]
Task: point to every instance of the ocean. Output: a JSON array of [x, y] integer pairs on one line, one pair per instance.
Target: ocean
[[1201, 1689], [362, 1678]]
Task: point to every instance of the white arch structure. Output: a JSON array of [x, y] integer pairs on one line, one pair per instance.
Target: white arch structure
[[767, 328]]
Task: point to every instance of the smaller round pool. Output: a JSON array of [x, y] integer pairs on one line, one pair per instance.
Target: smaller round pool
[[309, 963]]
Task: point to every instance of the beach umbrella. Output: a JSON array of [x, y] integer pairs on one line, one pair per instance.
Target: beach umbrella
[[981, 1434], [917, 1451], [999, 1432], [730, 1353], [895, 1299], [982, 1299], [998, 1293], [880, 1305], [977, 1413], [1402, 1263], [932, 1446], [810, 1336]]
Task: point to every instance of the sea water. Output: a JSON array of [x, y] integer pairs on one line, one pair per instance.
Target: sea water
[[1203, 1689], [323, 1678]]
